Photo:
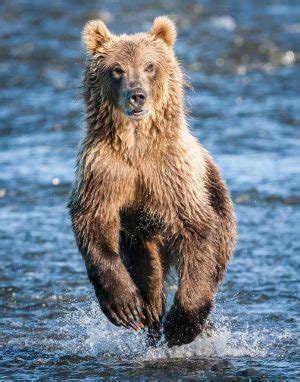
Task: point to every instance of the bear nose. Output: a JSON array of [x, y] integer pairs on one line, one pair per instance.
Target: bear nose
[[137, 97]]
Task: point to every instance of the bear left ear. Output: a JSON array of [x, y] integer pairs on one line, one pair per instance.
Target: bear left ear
[[163, 28], [95, 34]]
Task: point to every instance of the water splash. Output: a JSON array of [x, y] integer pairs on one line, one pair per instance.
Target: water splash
[[90, 333]]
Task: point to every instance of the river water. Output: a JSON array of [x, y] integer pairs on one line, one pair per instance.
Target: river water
[[242, 58]]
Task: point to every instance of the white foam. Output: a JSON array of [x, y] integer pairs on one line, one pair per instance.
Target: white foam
[[90, 333]]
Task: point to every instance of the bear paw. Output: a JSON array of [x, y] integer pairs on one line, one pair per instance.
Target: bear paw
[[182, 327], [123, 307], [154, 312], [153, 316]]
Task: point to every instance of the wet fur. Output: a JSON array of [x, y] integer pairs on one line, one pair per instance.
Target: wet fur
[[147, 195]]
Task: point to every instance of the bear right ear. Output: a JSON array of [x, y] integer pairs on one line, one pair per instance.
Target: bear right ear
[[163, 28], [95, 34]]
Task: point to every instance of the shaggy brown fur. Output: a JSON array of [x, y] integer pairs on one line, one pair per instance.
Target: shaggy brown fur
[[147, 194]]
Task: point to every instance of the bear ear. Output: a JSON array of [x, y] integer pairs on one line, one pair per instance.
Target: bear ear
[[163, 28], [95, 34]]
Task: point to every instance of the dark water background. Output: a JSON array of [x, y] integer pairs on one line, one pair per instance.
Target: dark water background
[[243, 61]]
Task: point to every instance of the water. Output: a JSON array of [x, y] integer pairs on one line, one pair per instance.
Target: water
[[243, 61]]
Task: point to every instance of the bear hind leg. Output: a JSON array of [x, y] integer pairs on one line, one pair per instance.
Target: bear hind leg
[[143, 260]]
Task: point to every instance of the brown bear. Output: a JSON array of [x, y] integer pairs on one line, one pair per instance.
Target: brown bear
[[147, 195]]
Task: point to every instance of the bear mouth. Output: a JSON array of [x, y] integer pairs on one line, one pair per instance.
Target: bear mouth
[[136, 114]]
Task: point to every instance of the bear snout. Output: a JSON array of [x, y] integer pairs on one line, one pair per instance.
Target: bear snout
[[136, 98]]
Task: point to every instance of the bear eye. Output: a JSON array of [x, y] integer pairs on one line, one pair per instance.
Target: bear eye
[[149, 67], [117, 72]]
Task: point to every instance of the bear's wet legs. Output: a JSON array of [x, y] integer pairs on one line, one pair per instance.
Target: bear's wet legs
[[98, 241], [143, 261], [197, 267]]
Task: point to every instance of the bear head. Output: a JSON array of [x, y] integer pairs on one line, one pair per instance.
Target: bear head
[[133, 73]]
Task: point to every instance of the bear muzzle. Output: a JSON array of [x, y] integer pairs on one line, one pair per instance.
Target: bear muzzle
[[136, 101]]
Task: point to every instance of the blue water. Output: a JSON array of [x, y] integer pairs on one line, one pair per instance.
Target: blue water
[[242, 59]]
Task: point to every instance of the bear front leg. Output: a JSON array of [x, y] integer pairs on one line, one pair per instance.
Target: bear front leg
[[118, 296], [197, 282]]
